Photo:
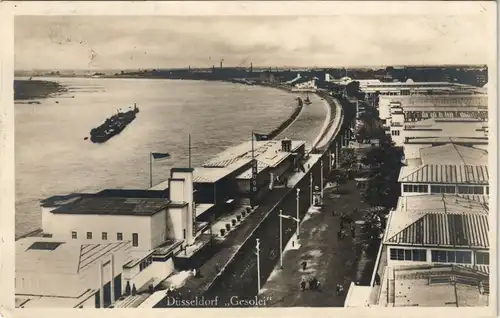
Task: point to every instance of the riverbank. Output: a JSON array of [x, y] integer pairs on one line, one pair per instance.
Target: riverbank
[[285, 124], [36, 89]]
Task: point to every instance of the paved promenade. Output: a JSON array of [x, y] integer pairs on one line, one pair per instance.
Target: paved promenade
[[328, 258]]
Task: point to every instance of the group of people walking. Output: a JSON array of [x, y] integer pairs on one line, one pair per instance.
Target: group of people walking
[[344, 219]]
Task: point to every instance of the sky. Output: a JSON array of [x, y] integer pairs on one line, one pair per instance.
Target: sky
[[117, 42]]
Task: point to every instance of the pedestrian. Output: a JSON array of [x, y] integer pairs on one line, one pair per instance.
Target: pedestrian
[[353, 232], [333, 212], [341, 225], [339, 235], [302, 285], [340, 289], [377, 279], [311, 284], [304, 265]]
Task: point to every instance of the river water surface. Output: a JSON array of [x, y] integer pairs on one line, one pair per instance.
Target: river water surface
[[52, 156]]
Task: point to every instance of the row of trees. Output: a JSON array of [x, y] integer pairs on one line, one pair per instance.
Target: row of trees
[[385, 164]]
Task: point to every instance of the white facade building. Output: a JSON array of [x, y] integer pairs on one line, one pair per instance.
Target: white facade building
[[430, 106], [438, 229], [436, 127], [72, 274]]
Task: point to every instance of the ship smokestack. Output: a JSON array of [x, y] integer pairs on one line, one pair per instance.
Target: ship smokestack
[[251, 67]]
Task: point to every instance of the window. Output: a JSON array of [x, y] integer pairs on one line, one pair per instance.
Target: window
[[395, 132], [482, 258], [89, 235], [104, 236], [488, 190], [442, 189], [44, 246], [135, 239], [74, 235], [460, 257], [119, 236], [470, 189], [400, 254], [417, 188]]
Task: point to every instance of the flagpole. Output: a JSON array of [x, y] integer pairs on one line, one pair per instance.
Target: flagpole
[[251, 182], [189, 150], [150, 169]]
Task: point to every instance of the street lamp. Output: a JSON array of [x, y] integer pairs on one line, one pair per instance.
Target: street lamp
[[311, 187], [281, 233], [321, 184], [298, 217], [257, 252]]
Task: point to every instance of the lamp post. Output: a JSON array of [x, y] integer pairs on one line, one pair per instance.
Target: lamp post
[[281, 233], [257, 252], [321, 184], [281, 239], [298, 216], [311, 187]]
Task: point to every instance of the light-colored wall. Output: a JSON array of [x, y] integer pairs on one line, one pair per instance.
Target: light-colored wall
[[189, 199], [69, 285], [61, 226], [48, 284], [159, 228], [89, 303], [156, 269], [175, 222]]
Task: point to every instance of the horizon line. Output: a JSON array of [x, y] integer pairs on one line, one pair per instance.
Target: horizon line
[[482, 65]]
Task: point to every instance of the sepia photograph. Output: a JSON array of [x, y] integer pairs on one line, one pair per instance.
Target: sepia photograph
[[254, 160]]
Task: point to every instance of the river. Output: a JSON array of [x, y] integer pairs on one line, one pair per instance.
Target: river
[[52, 156]]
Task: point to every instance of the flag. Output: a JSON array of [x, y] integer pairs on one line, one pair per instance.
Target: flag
[[160, 156], [260, 137]]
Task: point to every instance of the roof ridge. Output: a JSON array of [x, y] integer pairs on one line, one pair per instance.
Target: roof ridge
[[422, 214], [413, 172]]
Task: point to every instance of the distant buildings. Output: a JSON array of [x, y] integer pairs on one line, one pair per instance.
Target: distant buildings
[[435, 248]]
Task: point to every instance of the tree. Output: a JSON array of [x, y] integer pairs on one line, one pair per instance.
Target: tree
[[352, 89], [127, 288], [347, 159], [385, 163]]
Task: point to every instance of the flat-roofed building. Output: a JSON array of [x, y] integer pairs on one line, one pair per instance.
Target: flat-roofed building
[[430, 229], [413, 105], [449, 168], [443, 178], [433, 286], [69, 274], [147, 223], [227, 175], [410, 88], [437, 127], [413, 145]]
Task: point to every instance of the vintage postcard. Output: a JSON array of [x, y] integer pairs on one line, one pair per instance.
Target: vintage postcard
[[336, 158]]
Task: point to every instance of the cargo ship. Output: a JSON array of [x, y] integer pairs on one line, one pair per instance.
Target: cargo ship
[[113, 125]]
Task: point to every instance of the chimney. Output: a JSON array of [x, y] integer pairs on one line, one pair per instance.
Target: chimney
[[182, 182], [213, 68], [220, 64]]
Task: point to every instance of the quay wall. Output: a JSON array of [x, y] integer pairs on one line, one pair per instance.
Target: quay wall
[[239, 275]]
